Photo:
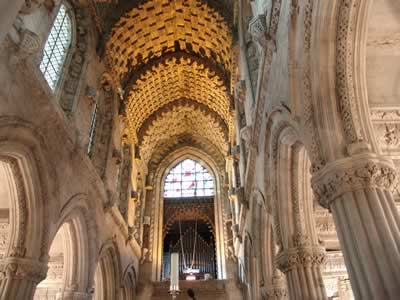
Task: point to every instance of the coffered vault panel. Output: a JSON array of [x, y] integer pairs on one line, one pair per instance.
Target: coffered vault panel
[[160, 26], [175, 79]]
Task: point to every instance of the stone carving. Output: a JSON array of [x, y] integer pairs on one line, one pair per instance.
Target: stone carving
[[302, 256], [340, 181], [102, 139], [124, 179], [389, 115], [258, 29], [278, 289], [240, 91], [388, 134], [345, 43], [309, 121], [259, 107], [74, 71]]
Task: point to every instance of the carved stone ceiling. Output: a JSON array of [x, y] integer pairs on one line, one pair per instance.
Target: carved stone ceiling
[[159, 27], [179, 119], [171, 81], [163, 52]]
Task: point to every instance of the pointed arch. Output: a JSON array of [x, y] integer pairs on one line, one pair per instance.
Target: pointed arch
[[108, 272]]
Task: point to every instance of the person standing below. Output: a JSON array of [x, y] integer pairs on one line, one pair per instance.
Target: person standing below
[[190, 293]]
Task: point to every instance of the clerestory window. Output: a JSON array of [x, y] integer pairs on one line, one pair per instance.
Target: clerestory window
[[188, 179], [56, 47]]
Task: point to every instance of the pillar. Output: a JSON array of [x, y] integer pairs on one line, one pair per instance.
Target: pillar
[[357, 190], [302, 266], [19, 278]]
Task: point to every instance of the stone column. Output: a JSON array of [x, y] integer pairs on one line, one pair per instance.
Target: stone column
[[302, 266], [19, 277], [357, 191]]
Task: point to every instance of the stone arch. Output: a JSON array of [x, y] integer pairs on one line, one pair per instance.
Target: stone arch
[[72, 252], [24, 153], [28, 187], [338, 56], [107, 281], [292, 186], [157, 207], [129, 283]]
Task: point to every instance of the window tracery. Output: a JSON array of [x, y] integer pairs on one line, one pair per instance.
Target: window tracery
[[56, 47], [188, 179]]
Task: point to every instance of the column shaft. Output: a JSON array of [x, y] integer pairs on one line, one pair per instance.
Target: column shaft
[[369, 232], [357, 192]]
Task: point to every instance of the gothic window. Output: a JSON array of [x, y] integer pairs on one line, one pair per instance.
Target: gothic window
[[188, 179], [92, 130], [56, 47]]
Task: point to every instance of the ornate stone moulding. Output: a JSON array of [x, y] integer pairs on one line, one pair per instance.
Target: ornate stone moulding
[[174, 80], [350, 174], [156, 27], [293, 258]]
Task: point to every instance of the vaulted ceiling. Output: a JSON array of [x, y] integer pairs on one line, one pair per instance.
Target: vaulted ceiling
[[174, 60]]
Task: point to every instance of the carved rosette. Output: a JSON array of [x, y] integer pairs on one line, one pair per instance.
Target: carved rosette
[[350, 175], [300, 257]]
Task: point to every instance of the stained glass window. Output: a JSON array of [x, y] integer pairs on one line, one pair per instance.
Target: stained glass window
[[56, 47], [188, 179]]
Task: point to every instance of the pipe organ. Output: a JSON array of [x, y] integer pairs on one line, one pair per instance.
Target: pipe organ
[[200, 258]]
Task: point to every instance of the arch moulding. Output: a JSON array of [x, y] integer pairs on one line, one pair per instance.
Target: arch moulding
[[157, 208]]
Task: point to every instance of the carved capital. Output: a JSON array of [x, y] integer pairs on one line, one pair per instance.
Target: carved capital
[[299, 257], [19, 268], [352, 174]]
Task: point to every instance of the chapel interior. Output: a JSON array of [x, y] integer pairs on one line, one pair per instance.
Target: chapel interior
[[230, 149]]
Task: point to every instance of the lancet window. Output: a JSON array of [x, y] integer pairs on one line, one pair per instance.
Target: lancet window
[[56, 47], [188, 179]]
